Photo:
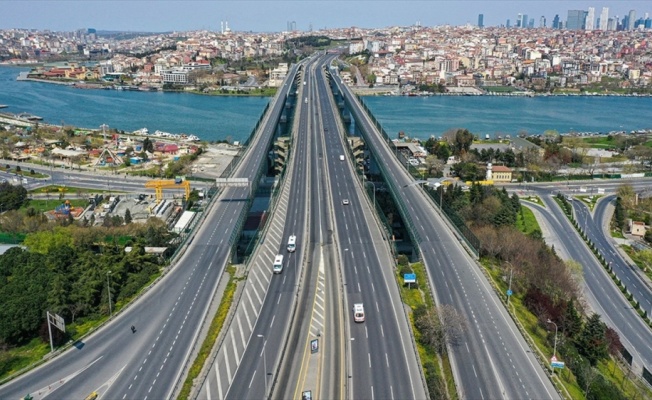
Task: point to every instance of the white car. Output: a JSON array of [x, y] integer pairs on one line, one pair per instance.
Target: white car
[[345, 202]]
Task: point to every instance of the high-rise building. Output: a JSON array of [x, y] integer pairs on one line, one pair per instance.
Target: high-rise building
[[481, 21], [631, 20], [542, 22], [524, 21], [531, 23], [508, 24], [519, 19], [555, 22], [575, 19], [604, 18], [589, 24]]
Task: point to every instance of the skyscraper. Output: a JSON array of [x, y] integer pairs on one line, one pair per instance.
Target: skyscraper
[[555, 22], [524, 21], [631, 20], [589, 24], [542, 22], [575, 19], [604, 18], [481, 21], [508, 24], [519, 19]]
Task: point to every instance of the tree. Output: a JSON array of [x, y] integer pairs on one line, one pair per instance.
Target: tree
[[460, 140], [127, 216], [592, 341], [12, 197]]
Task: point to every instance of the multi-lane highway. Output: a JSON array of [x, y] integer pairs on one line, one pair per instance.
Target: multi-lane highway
[[602, 294], [149, 363], [492, 360], [245, 363], [594, 226], [383, 362]]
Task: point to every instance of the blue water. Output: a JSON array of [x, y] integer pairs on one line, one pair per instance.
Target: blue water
[[209, 117], [218, 117], [422, 117]]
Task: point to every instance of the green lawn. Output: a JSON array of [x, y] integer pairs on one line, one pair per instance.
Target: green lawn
[[526, 222], [600, 142], [46, 205]]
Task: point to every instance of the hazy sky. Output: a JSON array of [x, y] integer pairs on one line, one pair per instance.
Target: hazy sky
[[273, 16]]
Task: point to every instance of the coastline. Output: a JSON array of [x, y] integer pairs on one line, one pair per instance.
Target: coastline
[[361, 92]]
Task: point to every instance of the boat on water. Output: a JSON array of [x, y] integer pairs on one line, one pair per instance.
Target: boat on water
[[141, 131], [29, 117], [3, 106]]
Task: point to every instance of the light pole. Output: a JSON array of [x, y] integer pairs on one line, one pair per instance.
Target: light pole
[[108, 289], [509, 289], [104, 126], [554, 352], [264, 360]]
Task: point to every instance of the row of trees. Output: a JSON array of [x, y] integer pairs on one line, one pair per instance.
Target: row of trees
[[68, 270]]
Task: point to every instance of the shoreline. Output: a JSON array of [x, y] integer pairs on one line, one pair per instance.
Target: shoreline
[[362, 92]]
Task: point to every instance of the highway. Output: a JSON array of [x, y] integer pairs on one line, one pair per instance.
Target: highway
[[247, 358], [383, 361], [595, 226], [149, 363], [492, 360], [600, 292]]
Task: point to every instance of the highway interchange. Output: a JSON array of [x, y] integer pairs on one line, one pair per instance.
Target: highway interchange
[[343, 257]]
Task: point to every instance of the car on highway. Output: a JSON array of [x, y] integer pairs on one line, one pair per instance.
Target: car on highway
[[345, 202], [358, 312], [92, 396], [277, 267], [292, 244], [341, 157]]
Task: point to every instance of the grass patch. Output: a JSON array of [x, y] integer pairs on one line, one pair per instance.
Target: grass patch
[[617, 234], [526, 222], [46, 205], [590, 201], [18, 358], [600, 142], [414, 296], [640, 262], [213, 333], [58, 189], [530, 324], [614, 372], [11, 238]]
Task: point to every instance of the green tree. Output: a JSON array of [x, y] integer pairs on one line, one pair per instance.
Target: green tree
[[45, 242], [127, 216], [592, 340], [12, 197]]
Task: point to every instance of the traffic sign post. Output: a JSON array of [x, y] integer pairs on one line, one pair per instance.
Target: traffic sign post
[[410, 279], [557, 364]]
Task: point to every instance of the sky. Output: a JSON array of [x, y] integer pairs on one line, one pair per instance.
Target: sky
[[273, 16]]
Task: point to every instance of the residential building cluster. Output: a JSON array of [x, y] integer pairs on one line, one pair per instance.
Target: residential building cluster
[[535, 58], [465, 57]]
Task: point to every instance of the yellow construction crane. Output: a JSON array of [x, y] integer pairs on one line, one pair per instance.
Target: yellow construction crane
[[159, 184]]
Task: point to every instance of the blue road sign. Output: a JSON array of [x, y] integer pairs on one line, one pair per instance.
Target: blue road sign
[[509, 292], [410, 278], [557, 364]]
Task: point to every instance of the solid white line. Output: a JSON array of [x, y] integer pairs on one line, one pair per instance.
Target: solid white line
[[219, 383]]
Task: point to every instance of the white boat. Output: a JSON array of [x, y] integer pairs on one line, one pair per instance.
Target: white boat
[[142, 131]]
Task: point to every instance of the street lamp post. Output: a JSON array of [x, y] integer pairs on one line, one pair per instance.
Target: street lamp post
[[264, 360], [509, 289], [554, 351], [108, 289]]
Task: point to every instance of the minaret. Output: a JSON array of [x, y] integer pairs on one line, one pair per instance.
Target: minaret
[[489, 172]]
